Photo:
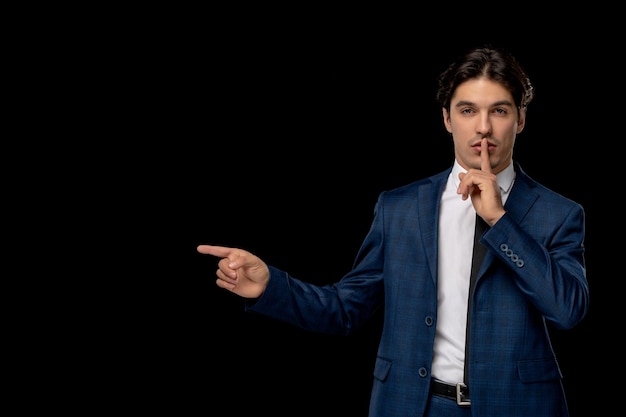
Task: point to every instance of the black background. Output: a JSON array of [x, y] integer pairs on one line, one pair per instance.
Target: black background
[[277, 136]]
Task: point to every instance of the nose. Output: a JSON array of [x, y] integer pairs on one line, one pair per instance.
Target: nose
[[483, 126]]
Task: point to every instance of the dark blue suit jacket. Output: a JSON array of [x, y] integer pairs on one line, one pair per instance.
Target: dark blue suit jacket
[[533, 276]]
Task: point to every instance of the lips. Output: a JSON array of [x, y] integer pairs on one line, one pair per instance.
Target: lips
[[490, 147]]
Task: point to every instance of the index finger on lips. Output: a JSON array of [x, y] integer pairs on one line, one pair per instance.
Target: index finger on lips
[[484, 156]]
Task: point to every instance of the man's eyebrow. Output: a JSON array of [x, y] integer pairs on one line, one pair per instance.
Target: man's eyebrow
[[496, 104]]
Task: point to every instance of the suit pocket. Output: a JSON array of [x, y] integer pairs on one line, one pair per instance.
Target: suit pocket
[[538, 370], [381, 368]]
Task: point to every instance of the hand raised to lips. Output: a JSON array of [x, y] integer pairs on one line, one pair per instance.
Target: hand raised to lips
[[481, 186]]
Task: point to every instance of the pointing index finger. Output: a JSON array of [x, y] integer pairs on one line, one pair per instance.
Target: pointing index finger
[[219, 251]]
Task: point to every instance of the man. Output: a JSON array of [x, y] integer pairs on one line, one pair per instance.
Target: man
[[416, 263]]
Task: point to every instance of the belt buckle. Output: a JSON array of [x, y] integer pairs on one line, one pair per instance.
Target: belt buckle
[[461, 399]]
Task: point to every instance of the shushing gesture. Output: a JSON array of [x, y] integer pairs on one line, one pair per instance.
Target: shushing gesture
[[239, 271], [482, 187]]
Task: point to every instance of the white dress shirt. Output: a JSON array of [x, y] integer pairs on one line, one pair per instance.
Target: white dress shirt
[[456, 243]]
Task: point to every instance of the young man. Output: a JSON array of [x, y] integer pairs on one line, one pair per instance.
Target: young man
[[416, 263]]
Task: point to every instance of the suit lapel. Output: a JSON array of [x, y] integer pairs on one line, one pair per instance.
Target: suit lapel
[[522, 196], [429, 197]]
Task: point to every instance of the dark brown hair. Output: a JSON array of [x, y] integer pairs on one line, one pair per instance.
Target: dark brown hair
[[494, 63]]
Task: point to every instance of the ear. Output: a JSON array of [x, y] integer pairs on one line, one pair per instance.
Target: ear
[[522, 120], [446, 119]]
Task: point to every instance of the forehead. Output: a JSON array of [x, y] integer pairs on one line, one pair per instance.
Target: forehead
[[481, 91]]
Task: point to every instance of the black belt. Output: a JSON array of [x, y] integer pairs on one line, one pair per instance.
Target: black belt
[[458, 392]]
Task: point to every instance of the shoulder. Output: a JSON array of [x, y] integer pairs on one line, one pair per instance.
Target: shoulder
[[418, 196], [550, 202], [524, 180], [436, 181]]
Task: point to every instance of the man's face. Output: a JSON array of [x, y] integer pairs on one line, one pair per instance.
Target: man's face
[[481, 108]]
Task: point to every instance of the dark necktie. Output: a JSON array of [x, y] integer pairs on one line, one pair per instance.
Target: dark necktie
[[477, 260]]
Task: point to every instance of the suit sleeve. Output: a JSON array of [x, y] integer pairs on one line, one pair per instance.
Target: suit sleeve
[[338, 308], [546, 255]]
